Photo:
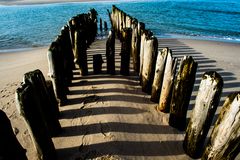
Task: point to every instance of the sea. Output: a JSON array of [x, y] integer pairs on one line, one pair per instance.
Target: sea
[[28, 26]]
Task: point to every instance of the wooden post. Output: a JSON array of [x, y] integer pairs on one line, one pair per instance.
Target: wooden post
[[141, 28], [52, 97], [125, 51], [100, 25], [28, 105], [206, 104], [68, 49], [49, 109], [134, 49], [167, 84], [144, 35], [182, 92], [81, 53], [97, 63], [105, 26], [55, 65], [158, 76], [10, 148], [149, 61], [110, 52], [224, 141]]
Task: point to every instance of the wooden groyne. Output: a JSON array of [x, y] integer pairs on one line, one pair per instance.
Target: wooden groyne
[[169, 82]]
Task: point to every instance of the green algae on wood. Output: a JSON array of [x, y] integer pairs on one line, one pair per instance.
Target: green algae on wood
[[182, 91]]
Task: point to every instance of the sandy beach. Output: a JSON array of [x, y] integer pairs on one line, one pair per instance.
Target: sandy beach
[[109, 116]]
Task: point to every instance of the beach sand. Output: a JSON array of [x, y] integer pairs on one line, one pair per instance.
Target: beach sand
[[109, 116]]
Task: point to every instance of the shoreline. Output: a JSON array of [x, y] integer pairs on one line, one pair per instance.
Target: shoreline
[[16, 50]]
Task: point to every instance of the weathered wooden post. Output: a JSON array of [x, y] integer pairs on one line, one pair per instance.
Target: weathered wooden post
[[224, 141], [125, 51], [134, 49], [55, 65], [113, 18], [207, 101], [141, 28], [28, 105], [68, 50], [110, 52], [182, 91], [81, 53], [100, 24], [105, 26], [52, 97], [167, 84], [145, 33], [10, 148], [158, 76], [49, 108], [72, 28], [97, 63], [149, 61]]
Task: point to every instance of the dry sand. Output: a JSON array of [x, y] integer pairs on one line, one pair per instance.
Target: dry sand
[[108, 116]]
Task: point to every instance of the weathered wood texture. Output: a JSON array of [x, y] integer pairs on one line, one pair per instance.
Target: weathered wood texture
[[182, 91], [203, 112], [146, 34], [125, 51], [55, 65], [158, 76], [141, 28], [110, 52], [10, 148], [81, 52], [224, 141], [149, 61], [48, 106], [100, 24], [167, 84], [134, 45], [29, 107]]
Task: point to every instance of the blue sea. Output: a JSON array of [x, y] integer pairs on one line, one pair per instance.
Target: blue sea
[[27, 26]]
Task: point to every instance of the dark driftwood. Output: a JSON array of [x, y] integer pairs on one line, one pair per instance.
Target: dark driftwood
[[125, 51], [202, 115], [105, 26], [100, 24], [167, 84], [10, 148], [56, 67], [97, 63], [29, 107], [182, 91], [224, 141], [149, 62], [81, 52], [48, 105], [110, 52], [158, 75]]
